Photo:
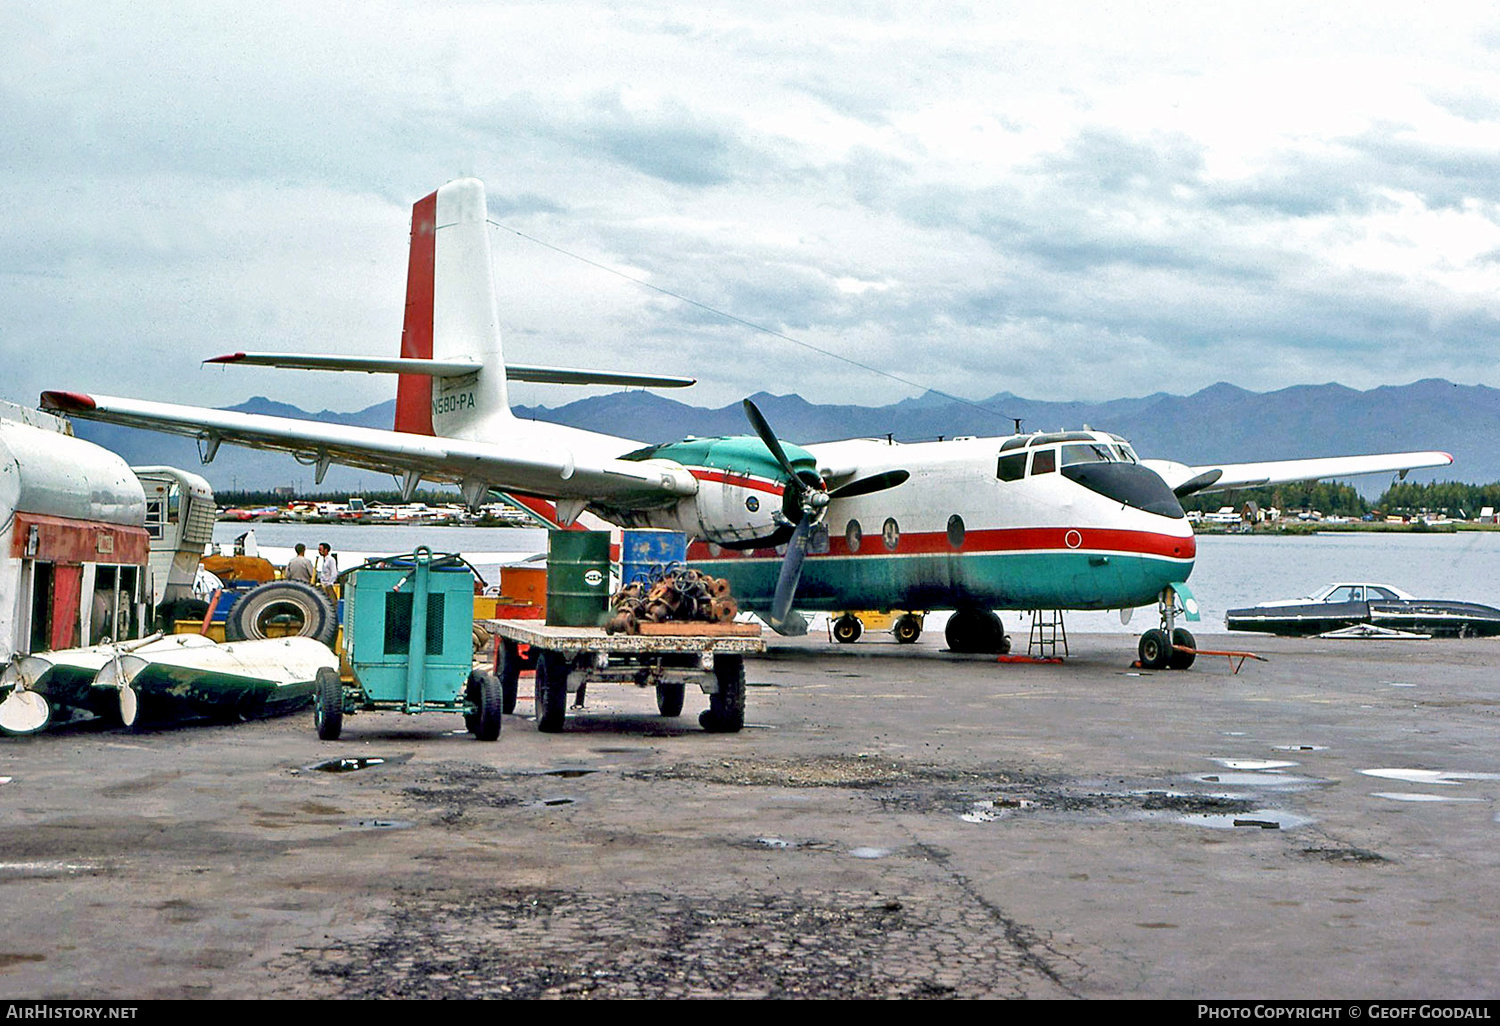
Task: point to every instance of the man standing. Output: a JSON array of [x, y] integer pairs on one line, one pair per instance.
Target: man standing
[[328, 571], [299, 567]]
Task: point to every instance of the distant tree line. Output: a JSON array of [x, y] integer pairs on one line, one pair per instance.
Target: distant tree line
[[253, 499], [1453, 498]]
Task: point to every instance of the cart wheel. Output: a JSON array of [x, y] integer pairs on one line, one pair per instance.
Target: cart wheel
[[509, 671], [328, 703], [551, 691], [908, 629], [669, 695], [484, 691], [726, 707]]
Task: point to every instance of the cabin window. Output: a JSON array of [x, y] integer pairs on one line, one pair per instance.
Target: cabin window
[[1044, 461], [956, 531], [890, 534], [853, 535], [1012, 467], [1384, 594]]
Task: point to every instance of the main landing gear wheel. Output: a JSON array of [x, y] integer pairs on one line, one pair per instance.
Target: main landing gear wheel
[[726, 707], [1155, 650], [484, 692], [976, 630], [847, 629], [1182, 660], [328, 704], [551, 692], [907, 629]]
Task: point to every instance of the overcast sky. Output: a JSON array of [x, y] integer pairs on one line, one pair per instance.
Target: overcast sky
[[1063, 201]]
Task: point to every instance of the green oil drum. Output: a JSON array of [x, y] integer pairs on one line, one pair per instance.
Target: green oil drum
[[577, 578]]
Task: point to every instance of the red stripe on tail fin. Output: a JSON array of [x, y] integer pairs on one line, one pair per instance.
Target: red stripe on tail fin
[[414, 392]]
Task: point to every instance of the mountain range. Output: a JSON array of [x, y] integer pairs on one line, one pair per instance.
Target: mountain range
[[1221, 423]]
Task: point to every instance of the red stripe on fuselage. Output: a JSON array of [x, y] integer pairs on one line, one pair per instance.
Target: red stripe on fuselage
[[1015, 539], [413, 391]]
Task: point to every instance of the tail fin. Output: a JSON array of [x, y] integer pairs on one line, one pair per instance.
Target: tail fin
[[452, 313]]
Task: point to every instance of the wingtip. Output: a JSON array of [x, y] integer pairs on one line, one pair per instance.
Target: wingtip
[[226, 358], [66, 402]]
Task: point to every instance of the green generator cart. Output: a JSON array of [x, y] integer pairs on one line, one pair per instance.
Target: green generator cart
[[409, 642]]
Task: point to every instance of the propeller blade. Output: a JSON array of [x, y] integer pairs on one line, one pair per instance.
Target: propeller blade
[[873, 483], [763, 429], [782, 618]]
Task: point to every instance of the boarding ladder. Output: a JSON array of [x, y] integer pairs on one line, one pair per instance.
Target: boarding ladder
[[1047, 632]]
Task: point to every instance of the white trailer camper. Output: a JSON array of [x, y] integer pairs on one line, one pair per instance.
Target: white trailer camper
[[73, 545]]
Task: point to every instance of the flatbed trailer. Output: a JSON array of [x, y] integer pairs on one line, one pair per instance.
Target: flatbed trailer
[[668, 657]]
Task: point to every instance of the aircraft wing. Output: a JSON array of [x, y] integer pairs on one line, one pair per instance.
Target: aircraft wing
[[1186, 480], [537, 462]]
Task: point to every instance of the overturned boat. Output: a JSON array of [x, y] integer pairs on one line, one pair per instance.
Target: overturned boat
[[1338, 606]]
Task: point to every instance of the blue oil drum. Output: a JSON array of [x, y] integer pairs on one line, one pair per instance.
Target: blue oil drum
[[644, 551]]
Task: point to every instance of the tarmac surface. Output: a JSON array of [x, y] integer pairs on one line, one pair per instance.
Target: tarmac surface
[[894, 821]]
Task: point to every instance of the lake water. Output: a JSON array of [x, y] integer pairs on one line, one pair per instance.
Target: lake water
[[1231, 570]]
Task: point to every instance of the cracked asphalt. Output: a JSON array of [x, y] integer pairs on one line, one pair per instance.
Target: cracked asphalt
[[894, 822]]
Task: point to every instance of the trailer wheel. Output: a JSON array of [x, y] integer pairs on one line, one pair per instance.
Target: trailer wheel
[[328, 704], [300, 607], [726, 707], [551, 692], [484, 691], [669, 697], [509, 672], [907, 629], [847, 629]]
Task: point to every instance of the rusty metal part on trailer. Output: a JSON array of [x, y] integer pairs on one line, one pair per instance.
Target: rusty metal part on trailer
[[712, 656]]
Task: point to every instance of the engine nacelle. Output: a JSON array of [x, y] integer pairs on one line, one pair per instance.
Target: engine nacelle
[[741, 489]]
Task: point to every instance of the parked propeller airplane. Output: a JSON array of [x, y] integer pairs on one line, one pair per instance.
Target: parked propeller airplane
[[1066, 520]]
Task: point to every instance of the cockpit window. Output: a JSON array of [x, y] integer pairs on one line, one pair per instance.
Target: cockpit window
[[1044, 461], [1093, 452], [1012, 467]]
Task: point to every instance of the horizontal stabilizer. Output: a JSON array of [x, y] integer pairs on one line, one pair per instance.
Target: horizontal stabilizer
[[447, 369]]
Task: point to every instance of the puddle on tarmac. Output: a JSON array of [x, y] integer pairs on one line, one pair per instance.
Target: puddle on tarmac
[[869, 853], [775, 843], [567, 773], [544, 803], [1417, 796], [1420, 776], [1254, 764], [46, 868], [383, 824], [348, 765], [623, 751], [1255, 819], [1280, 780], [1300, 748], [988, 811]]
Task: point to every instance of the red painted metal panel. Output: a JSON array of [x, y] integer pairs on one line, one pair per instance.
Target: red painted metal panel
[[60, 540], [67, 592], [413, 391], [1021, 539]]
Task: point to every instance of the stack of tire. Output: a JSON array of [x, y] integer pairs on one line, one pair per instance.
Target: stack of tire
[[676, 595]]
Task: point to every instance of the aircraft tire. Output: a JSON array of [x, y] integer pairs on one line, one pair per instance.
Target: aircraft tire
[[907, 629], [551, 692], [328, 704], [847, 629], [250, 617], [483, 689], [1154, 649], [726, 707], [976, 630], [669, 697], [1182, 660], [510, 675]]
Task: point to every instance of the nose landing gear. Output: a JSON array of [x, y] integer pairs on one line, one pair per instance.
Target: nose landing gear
[[1162, 648]]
